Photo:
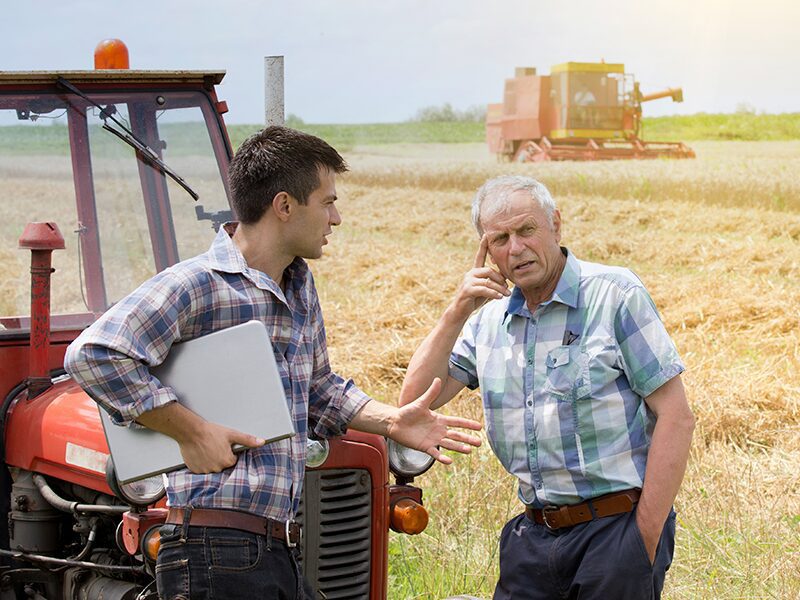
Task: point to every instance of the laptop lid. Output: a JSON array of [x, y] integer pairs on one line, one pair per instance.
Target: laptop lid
[[228, 377]]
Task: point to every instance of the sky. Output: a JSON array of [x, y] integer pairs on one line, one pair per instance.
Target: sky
[[360, 61]]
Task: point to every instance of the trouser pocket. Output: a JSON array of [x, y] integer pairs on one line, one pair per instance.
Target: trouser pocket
[[172, 579]]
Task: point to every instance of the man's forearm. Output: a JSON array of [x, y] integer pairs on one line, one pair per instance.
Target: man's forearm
[[206, 447], [666, 465], [374, 417], [174, 420], [431, 358]]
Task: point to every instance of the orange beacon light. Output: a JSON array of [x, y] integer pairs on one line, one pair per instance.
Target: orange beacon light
[[111, 54]]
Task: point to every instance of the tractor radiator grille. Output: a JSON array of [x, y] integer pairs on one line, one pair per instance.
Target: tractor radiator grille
[[336, 515]]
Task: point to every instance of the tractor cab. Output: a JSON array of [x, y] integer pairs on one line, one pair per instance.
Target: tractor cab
[[130, 165]]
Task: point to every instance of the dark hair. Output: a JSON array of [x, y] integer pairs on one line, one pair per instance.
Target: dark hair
[[277, 159]]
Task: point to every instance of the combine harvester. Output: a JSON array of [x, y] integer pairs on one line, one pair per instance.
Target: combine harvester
[[581, 111]]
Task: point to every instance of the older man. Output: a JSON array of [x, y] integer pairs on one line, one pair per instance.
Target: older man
[[583, 402]]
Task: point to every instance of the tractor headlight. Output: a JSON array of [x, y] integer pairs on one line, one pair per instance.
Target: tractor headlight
[[143, 492], [317, 452], [136, 493], [405, 462]]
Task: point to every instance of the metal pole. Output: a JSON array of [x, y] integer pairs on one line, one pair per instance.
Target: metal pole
[[273, 90]]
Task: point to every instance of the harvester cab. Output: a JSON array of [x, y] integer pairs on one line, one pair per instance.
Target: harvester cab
[[581, 111], [111, 176]]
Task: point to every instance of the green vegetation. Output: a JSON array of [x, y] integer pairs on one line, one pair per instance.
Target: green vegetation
[[345, 137], [743, 126]]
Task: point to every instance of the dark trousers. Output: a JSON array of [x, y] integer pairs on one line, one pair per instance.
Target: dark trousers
[[604, 559], [226, 564]]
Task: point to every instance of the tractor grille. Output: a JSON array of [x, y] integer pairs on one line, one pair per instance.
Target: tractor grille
[[336, 515]]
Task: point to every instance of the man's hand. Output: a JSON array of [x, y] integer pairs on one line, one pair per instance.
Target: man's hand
[[211, 449], [480, 284], [205, 447], [415, 425], [651, 534]]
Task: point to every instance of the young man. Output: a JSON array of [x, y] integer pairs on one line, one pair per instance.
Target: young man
[[583, 402], [283, 192]]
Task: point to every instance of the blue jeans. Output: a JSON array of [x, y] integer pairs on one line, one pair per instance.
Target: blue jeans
[[601, 559], [226, 564]]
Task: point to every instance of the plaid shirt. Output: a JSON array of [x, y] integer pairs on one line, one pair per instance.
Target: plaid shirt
[[207, 293], [563, 387]]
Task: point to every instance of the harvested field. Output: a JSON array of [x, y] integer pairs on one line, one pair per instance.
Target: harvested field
[[721, 257]]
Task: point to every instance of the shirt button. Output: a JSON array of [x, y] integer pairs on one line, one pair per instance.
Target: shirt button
[[529, 402]]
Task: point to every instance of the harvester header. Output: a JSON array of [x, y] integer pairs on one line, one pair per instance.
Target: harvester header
[[581, 111]]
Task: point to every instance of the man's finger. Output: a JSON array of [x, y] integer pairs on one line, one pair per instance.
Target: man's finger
[[442, 458], [485, 273], [245, 439], [488, 273], [461, 423], [491, 285], [431, 393], [464, 437], [455, 446], [480, 257]]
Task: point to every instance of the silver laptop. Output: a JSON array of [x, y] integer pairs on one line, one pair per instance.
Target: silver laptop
[[228, 377]]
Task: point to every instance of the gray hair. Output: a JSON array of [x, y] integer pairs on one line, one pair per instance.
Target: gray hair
[[500, 189]]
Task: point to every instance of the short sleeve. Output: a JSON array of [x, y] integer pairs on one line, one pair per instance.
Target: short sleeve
[[463, 358], [647, 354]]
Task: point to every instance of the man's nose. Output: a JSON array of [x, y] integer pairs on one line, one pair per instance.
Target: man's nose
[[335, 217], [516, 246]]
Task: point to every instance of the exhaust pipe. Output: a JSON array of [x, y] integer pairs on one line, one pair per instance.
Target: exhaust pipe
[[41, 239]]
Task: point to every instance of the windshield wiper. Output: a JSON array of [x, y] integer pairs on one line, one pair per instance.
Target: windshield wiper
[[126, 135]]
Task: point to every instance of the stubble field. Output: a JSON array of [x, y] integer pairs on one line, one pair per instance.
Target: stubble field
[[717, 242]]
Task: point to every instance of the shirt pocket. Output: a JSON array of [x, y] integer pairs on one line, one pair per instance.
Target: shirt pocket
[[567, 373]]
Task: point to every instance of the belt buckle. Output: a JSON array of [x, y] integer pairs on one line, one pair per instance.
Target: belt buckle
[[287, 526], [546, 511]]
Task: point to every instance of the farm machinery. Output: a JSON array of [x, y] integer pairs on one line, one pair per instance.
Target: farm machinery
[[581, 111], [111, 175]]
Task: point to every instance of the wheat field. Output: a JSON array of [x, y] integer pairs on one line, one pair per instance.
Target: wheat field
[[716, 241]]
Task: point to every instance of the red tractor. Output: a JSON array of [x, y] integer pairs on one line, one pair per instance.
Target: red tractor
[[131, 166]]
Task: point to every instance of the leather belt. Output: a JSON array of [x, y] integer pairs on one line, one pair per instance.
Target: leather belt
[[557, 517], [289, 532]]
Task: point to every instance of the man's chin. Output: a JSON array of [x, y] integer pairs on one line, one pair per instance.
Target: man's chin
[[311, 254]]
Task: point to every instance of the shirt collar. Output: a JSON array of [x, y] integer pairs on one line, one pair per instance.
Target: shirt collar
[[566, 291], [225, 256], [568, 284]]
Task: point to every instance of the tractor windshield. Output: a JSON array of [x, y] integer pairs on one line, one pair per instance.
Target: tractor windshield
[[121, 217]]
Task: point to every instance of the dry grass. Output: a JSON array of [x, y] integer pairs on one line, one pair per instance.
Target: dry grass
[[724, 268], [754, 174]]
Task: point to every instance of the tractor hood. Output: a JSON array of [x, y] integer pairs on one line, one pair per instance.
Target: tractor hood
[[59, 433]]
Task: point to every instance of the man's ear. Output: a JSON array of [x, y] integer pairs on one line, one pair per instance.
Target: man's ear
[[282, 205], [557, 225]]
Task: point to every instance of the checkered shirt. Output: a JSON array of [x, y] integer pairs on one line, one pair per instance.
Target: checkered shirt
[[213, 291], [563, 387]]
